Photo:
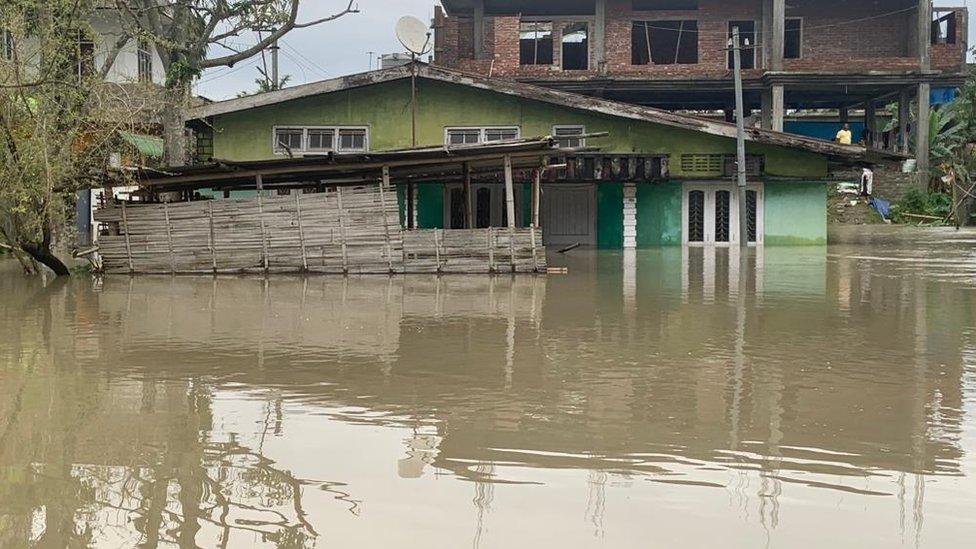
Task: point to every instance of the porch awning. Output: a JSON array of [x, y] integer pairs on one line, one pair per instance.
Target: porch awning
[[148, 145]]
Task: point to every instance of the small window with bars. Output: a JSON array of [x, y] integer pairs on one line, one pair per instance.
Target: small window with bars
[[569, 137], [144, 59], [288, 139], [320, 139], [472, 136], [535, 43], [352, 140], [6, 44]]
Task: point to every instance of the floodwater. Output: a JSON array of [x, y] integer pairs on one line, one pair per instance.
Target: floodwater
[[817, 397]]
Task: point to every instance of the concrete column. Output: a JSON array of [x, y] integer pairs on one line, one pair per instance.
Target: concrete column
[[766, 117], [767, 33], [922, 133], [778, 35], [600, 36], [871, 123], [904, 106], [844, 114], [924, 33], [779, 107], [479, 28], [630, 216]]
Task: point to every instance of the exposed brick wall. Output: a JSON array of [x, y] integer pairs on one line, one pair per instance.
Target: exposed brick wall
[[890, 183], [838, 36]]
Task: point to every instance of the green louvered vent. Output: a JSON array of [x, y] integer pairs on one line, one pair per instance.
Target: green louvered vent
[[702, 163]]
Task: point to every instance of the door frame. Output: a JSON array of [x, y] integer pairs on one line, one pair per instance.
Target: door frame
[[497, 199], [710, 188], [593, 212]]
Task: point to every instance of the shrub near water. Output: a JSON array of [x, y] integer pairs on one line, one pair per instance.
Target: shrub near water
[[919, 202]]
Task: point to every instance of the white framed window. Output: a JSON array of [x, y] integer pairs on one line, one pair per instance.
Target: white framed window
[[6, 44], [144, 59], [710, 213], [471, 135], [568, 137], [320, 139]]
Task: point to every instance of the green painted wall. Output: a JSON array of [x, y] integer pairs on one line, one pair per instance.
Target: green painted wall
[[384, 108], [610, 215], [659, 214], [795, 214]]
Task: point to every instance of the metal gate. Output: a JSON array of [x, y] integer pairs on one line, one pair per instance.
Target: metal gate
[[569, 214]]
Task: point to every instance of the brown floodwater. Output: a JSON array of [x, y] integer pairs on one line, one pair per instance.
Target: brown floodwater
[[815, 397]]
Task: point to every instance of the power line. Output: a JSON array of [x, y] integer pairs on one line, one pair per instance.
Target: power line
[[313, 64]]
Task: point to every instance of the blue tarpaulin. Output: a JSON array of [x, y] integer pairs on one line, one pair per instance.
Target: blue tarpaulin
[[883, 207]]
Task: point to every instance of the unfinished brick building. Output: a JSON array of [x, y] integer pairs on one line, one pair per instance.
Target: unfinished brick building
[[673, 54]]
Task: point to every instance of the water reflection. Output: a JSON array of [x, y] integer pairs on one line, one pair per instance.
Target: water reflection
[[636, 398]]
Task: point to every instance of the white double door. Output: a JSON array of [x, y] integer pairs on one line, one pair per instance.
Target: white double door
[[710, 214]]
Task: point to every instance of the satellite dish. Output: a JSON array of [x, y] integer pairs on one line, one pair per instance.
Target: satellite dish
[[413, 34]]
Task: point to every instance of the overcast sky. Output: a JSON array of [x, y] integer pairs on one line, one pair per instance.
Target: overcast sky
[[342, 46]]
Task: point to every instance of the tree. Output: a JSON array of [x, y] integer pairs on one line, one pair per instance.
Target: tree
[[193, 35], [58, 122]]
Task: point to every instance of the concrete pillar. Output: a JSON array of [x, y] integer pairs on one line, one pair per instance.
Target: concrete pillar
[[600, 36], [922, 133], [766, 117], [630, 216], [778, 35], [845, 115], [904, 106], [779, 107], [924, 33], [871, 123], [479, 28]]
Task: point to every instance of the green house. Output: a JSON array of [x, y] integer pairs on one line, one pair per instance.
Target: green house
[[655, 178]]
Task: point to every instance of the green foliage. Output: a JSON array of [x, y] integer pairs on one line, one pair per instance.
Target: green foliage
[[921, 202]]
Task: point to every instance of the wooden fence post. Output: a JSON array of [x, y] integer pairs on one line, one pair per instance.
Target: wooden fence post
[[264, 237], [437, 248], [128, 246], [301, 230], [509, 192], [491, 249], [169, 239], [384, 185], [468, 199], [342, 231], [213, 239]]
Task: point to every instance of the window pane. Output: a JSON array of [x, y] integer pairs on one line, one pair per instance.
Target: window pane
[[576, 47], [563, 136], [535, 43], [722, 201], [696, 216], [500, 134], [320, 140], [751, 200], [664, 42], [483, 208], [352, 140], [288, 138], [793, 44], [463, 137]]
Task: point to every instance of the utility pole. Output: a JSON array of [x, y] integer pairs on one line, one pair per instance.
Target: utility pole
[[274, 65], [740, 140]]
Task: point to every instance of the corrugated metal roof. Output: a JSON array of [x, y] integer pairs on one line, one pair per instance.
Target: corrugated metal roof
[[148, 145]]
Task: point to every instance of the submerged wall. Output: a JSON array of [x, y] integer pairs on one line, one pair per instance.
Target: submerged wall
[[795, 214]]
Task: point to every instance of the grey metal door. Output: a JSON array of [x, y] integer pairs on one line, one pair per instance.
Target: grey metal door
[[569, 214]]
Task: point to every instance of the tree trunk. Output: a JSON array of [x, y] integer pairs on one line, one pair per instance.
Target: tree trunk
[[41, 252], [174, 124]]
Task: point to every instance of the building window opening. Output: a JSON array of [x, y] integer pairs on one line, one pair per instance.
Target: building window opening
[[85, 60], [664, 42], [944, 28], [535, 43], [569, 137], [7, 44], [696, 216], [463, 136], [483, 208], [723, 200], [668, 5], [144, 59], [288, 139], [352, 140], [471, 136], [793, 39], [576, 47], [321, 139], [500, 134], [457, 208], [747, 41]]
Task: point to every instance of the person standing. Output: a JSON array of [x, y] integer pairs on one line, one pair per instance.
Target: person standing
[[844, 135]]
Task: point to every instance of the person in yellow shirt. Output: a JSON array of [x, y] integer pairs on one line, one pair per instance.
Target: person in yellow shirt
[[844, 135]]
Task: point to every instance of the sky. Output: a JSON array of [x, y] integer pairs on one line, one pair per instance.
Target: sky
[[342, 46]]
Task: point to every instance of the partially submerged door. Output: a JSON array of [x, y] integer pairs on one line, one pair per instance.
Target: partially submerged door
[[569, 214]]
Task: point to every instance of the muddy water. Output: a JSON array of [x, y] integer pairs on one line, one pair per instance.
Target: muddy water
[[810, 398]]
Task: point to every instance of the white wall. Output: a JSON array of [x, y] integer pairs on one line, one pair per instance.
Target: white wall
[[126, 67]]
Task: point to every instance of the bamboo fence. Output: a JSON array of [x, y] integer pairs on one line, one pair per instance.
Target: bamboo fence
[[346, 230]]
